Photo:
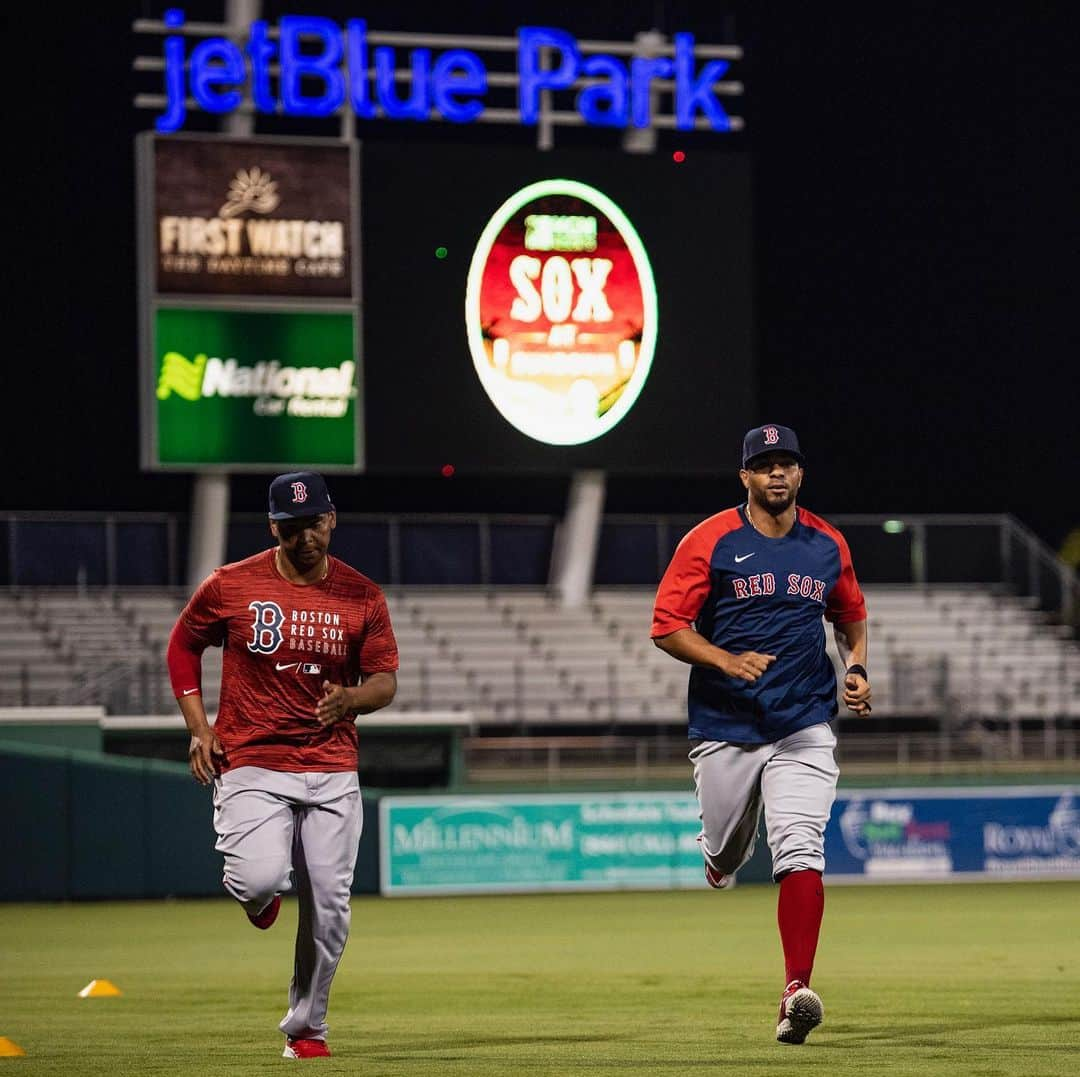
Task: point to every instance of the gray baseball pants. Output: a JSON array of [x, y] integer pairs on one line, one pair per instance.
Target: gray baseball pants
[[271, 823], [793, 779]]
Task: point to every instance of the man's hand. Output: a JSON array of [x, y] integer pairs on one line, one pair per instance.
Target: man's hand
[[747, 666], [857, 694], [201, 756], [334, 704]]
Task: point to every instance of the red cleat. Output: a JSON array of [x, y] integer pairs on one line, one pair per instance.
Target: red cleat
[[264, 919], [715, 879], [305, 1049]]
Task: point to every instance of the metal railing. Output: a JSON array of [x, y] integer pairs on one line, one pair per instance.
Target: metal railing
[[1015, 558], [559, 760]]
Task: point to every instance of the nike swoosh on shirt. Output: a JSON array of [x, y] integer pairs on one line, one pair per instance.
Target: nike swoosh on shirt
[[290, 665], [188, 691], [739, 560]]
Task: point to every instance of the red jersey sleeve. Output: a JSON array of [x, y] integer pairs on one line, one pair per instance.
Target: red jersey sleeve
[[184, 659], [687, 581], [204, 616], [378, 651], [845, 602], [196, 628]]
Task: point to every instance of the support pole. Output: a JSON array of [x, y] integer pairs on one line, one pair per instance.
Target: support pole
[[578, 537], [647, 43], [209, 524], [210, 494]]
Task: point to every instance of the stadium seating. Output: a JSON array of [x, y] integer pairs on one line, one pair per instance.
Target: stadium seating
[[515, 659]]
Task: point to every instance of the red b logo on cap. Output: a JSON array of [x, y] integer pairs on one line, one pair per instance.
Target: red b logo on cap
[[772, 435], [299, 493]]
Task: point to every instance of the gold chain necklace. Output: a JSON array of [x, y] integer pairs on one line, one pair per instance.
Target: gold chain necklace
[[750, 517]]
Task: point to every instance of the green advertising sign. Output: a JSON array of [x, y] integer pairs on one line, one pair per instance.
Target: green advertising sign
[[254, 389], [441, 845]]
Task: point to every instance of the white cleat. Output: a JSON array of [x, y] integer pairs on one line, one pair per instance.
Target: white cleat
[[801, 1012]]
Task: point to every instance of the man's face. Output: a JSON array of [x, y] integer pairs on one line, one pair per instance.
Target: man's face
[[304, 540], [772, 481]]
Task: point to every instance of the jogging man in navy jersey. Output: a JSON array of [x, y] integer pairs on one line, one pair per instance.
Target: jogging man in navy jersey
[[742, 603]]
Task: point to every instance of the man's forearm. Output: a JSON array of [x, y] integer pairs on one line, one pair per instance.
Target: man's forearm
[[689, 646], [852, 643], [376, 692], [194, 712]]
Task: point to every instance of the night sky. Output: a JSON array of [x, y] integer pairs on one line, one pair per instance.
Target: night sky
[[915, 235]]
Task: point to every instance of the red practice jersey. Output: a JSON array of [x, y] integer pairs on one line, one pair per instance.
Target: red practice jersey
[[281, 641]]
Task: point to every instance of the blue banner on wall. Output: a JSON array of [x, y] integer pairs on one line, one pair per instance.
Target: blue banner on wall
[[923, 835]]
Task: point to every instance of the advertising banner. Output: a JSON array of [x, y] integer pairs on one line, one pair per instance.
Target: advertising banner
[[456, 844], [923, 835], [250, 217], [255, 389], [444, 845]]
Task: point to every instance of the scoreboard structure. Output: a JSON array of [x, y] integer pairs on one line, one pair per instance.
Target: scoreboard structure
[[549, 312], [404, 307], [250, 353]]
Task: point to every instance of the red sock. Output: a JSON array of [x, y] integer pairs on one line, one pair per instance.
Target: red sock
[[798, 912]]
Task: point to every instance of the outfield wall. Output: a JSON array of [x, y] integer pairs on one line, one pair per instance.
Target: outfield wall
[[80, 824], [83, 825]]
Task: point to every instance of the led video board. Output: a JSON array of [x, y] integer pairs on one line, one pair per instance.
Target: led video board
[[560, 312], [545, 312]]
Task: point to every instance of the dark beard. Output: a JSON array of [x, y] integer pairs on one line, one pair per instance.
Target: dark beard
[[773, 506]]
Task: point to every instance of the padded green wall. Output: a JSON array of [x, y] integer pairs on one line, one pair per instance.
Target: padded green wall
[[85, 825]]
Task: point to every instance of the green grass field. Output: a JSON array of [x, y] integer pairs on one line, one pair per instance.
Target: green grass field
[[965, 979]]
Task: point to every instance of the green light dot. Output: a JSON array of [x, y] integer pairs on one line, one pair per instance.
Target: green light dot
[[440, 252], [893, 527]]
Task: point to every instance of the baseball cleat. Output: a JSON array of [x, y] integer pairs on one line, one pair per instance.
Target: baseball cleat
[[265, 918], [305, 1049], [715, 879], [801, 1011]]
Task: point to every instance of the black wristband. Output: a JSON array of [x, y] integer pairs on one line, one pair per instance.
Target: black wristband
[[858, 670]]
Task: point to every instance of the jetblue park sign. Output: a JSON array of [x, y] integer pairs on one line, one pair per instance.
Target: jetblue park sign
[[321, 67]]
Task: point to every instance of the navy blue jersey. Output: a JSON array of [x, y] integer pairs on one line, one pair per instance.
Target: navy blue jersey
[[743, 591]]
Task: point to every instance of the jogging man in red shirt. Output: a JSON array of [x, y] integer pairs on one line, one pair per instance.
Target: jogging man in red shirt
[[307, 646]]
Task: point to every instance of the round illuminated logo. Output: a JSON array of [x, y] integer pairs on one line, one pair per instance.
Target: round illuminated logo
[[561, 312]]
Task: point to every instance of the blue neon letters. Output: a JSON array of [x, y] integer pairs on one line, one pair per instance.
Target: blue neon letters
[[322, 67]]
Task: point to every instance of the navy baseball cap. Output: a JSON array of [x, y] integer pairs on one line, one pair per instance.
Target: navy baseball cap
[[299, 493], [771, 438]]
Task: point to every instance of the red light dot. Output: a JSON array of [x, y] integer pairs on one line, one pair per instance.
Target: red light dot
[[447, 471], [678, 157]]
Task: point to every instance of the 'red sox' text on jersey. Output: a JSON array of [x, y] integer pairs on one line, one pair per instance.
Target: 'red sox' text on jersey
[[744, 591], [281, 641]]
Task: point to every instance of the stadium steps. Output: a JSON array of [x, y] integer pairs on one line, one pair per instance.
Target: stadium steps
[[513, 656]]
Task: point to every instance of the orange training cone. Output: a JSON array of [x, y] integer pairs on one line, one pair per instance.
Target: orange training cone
[[100, 989], [10, 1049]]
